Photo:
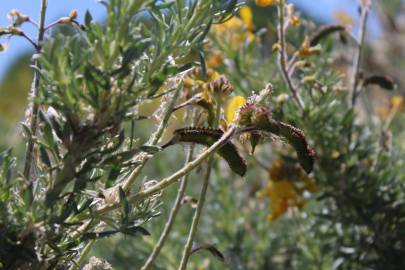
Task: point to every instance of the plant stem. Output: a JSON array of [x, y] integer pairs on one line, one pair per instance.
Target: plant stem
[[196, 218], [33, 107], [172, 216], [357, 62], [283, 55], [359, 53]]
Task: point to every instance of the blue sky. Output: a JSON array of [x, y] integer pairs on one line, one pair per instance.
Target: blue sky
[[323, 10]]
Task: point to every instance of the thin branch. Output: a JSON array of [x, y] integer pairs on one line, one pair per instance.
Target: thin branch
[[33, 107], [172, 216], [196, 218], [283, 55], [359, 53], [200, 205], [34, 23], [30, 40]]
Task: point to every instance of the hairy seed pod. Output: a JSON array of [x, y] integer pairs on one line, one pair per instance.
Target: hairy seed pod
[[324, 32], [380, 80], [208, 136]]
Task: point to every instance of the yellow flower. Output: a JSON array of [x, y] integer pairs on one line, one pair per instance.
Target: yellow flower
[[247, 17], [287, 182], [266, 3], [283, 195], [395, 105], [342, 17], [233, 107], [230, 25], [237, 30], [307, 50], [295, 21]]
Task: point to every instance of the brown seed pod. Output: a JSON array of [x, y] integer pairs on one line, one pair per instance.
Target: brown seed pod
[[208, 136], [380, 80], [325, 31], [261, 119]]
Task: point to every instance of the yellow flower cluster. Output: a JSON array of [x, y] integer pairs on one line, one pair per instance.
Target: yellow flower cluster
[[285, 188], [237, 30]]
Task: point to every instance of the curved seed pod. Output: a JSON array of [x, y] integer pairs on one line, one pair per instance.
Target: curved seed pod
[[296, 138], [380, 80], [207, 137], [324, 32], [293, 135]]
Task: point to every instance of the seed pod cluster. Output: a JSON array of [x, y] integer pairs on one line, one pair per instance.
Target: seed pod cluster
[[260, 118]]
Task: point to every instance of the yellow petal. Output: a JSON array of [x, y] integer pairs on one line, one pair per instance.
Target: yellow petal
[[233, 107], [247, 16], [397, 103]]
